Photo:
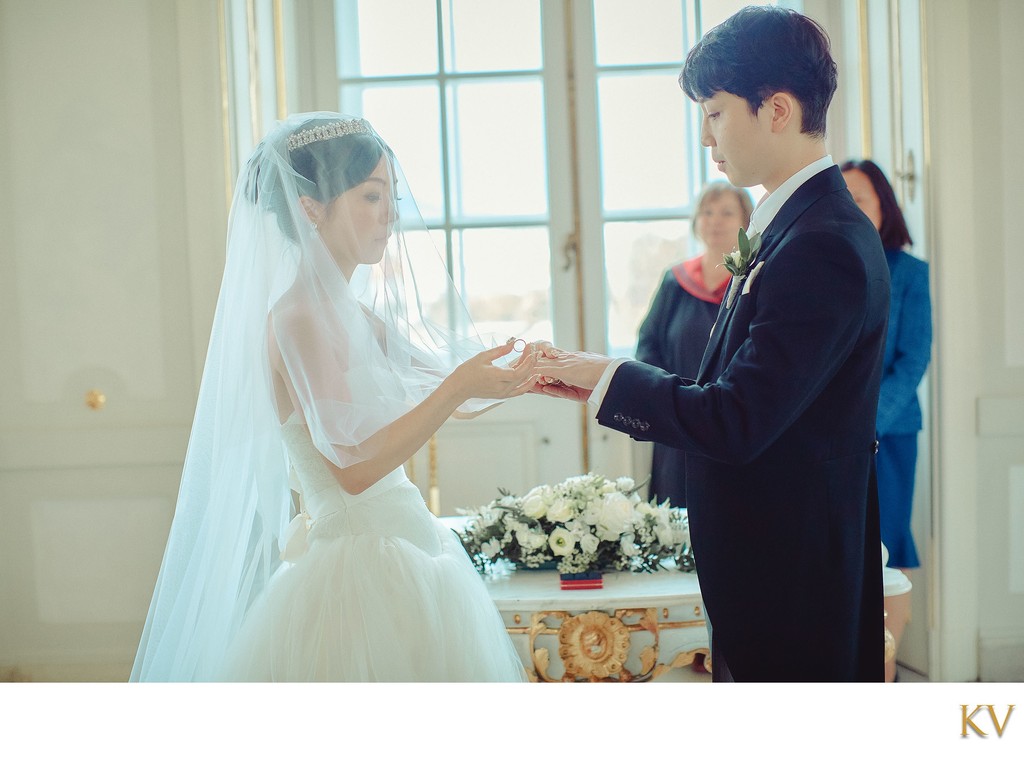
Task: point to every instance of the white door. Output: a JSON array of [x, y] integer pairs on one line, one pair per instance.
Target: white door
[[100, 343]]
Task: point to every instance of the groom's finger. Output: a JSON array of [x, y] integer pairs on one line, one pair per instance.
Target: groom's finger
[[547, 350], [569, 392], [526, 363], [552, 367]]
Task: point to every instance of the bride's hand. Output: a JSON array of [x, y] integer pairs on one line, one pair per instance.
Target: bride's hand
[[479, 378]]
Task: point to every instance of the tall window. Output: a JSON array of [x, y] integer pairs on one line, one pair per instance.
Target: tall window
[[652, 164], [457, 87]]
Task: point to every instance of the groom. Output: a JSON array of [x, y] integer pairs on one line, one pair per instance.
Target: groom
[[779, 425]]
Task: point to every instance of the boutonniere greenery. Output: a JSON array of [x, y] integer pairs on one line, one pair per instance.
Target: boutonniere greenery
[[738, 261]]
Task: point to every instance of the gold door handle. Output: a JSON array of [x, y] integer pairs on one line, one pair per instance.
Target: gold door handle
[[95, 399]]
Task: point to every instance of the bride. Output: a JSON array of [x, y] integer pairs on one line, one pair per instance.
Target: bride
[[338, 348]]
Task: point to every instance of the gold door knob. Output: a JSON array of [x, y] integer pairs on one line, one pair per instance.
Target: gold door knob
[[95, 399]]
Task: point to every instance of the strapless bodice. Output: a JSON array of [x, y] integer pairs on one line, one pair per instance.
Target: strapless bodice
[[391, 507]]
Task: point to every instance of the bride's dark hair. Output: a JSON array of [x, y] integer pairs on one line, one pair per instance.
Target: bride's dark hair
[[337, 165], [329, 167]]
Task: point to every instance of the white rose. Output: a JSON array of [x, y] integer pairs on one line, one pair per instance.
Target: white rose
[[625, 484], [491, 548], [666, 535], [592, 513], [627, 547], [608, 488], [616, 516], [534, 506], [560, 511], [561, 542], [589, 543], [537, 539]]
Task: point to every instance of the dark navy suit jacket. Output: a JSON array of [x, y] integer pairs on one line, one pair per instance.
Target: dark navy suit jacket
[[779, 430]]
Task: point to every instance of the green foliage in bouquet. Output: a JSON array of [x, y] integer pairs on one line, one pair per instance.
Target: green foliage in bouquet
[[585, 523]]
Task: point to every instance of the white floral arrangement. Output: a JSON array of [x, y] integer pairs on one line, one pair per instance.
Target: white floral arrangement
[[586, 523]]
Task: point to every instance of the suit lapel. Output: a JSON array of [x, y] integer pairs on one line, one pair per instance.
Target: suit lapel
[[824, 182], [714, 342]]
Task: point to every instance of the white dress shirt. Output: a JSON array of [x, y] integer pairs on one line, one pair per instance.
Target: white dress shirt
[[763, 215]]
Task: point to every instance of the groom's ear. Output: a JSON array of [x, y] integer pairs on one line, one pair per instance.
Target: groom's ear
[[784, 111]]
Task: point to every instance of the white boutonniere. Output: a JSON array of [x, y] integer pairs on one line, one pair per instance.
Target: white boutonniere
[[738, 262]]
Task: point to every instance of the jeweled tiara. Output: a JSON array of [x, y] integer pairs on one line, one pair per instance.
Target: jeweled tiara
[[327, 131]]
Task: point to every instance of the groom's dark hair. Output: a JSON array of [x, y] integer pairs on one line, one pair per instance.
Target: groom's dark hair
[[759, 51]]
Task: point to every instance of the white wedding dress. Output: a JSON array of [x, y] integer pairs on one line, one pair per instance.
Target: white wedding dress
[[384, 592]]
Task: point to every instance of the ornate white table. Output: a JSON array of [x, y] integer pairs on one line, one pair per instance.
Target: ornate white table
[[639, 627]]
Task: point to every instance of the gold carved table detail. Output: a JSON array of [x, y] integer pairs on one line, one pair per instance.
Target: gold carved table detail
[[595, 646], [639, 627]]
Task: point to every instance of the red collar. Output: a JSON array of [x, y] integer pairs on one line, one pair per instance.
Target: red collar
[[690, 277]]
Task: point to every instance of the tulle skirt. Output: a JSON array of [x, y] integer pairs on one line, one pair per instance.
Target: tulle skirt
[[370, 607]]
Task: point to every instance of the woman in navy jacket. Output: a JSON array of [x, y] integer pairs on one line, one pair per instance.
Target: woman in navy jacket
[[907, 351]]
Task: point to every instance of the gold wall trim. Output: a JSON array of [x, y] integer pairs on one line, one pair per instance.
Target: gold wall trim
[[899, 150], [279, 67], [254, 72], [572, 245], [865, 79], [934, 581], [225, 102]]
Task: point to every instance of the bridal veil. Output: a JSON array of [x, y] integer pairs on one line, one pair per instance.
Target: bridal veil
[[349, 336]]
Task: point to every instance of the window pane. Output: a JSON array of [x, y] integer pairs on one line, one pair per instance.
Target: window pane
[[430, 286], [639, 31], [505, 277], [498, 155], [644, 151], [492, 35], [386, 37], [416, 142], [636, 256]]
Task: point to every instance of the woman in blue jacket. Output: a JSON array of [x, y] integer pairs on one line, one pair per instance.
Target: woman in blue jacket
[[907, 351]]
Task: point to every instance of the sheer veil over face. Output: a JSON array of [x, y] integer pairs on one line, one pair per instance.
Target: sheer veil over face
[[335, 307]]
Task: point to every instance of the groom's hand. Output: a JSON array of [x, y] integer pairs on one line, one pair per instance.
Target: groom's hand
[[568, 374], [558, 389]]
